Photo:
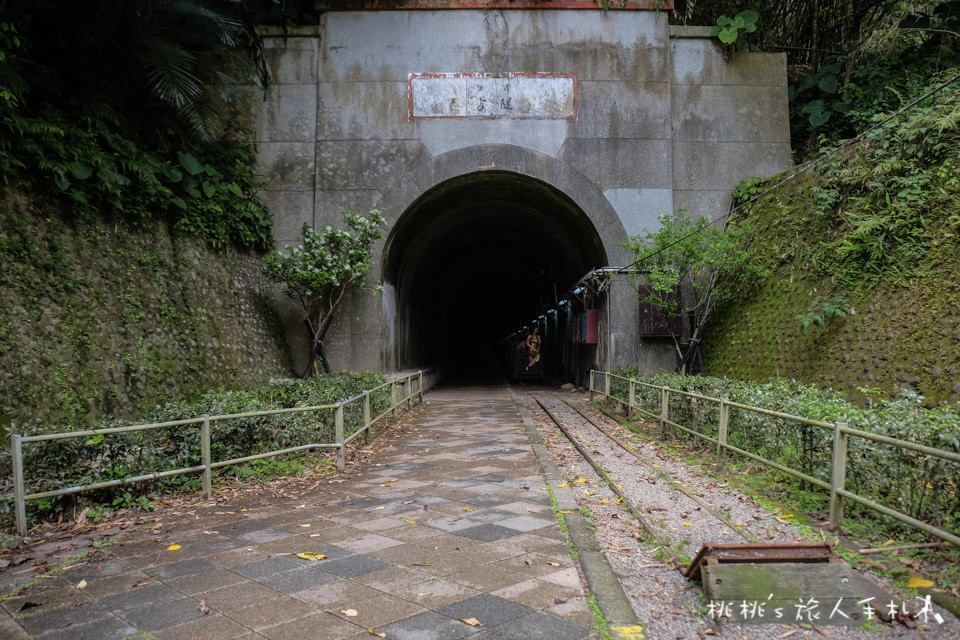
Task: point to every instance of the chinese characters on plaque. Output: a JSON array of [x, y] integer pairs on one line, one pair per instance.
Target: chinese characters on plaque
[[534, 96]]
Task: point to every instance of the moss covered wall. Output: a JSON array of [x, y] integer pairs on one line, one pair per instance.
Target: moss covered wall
[[901, 330], [902, 338], [98, 320]]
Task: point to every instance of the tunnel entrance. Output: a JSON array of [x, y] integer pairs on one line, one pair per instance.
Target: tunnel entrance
[[475, 258]]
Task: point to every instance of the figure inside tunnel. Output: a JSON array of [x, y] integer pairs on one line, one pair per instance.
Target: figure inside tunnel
[[533, 347]]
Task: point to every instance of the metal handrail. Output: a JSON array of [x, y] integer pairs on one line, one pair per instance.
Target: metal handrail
[[838, 459], [20, 496]]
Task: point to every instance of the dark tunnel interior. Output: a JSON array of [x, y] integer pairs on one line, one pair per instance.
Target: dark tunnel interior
[[476, 258]]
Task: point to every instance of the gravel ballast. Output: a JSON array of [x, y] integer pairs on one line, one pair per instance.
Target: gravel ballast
[[670, 606]]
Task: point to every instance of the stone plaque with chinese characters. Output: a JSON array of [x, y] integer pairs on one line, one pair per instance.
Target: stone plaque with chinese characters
[[531, 96]]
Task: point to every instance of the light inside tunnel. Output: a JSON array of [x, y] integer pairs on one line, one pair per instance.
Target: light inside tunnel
[[476, 257]]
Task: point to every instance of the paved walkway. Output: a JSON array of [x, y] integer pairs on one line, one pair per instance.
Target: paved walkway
[[454, 524]]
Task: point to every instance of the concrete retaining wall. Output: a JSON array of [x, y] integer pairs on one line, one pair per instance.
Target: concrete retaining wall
[[663, 120]]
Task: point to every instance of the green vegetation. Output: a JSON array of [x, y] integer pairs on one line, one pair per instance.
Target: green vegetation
[[862, 247], [317, 274], [687, 268], [105, 318], [55, 464], [730, 31], [924, 487], [137, 135]]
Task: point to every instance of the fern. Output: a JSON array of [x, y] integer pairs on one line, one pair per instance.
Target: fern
[[949, 121]]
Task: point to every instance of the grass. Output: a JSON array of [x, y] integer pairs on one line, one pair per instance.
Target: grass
[[602, 622], [100, 546]]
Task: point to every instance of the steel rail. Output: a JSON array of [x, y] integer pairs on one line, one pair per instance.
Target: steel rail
[[624, 499], [740, 530]]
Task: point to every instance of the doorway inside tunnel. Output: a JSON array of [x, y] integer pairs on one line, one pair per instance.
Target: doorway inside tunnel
[[477, 257]]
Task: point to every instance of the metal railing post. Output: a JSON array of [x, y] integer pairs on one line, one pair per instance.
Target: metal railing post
[[19, 491], [722, 431], [338, 436], [631, 399], [838, 476], [366, 416], [207, 480], [591, 383], [664, 409]]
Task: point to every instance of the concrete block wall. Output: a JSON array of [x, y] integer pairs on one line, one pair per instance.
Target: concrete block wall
[[664, 121]]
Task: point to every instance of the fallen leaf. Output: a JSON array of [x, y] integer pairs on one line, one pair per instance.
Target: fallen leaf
[[453, 519], [312, 555], [302, 506], [374, 633], [467, 508], [554, 564], [473, 622], [350, 613], [173, 547], [82, 584], [204, 609], [378, 508], [561, 486], [581, 480], [686, 524], [305, 525], [420, 564], [412, 521], [916, 583]]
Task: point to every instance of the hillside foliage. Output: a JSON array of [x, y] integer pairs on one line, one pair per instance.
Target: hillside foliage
[[120, 108]]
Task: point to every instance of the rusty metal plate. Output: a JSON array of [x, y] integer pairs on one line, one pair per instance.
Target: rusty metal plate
[[804, 552]]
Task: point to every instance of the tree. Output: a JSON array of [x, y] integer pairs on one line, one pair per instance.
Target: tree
[[687, 268], [317, 274]]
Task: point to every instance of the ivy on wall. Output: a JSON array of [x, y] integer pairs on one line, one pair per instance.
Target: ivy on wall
[[103, 319]]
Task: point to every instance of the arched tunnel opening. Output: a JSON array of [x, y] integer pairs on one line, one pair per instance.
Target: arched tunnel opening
[[477, 257]]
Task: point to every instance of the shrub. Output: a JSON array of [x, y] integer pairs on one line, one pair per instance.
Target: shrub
[[80, 461], [924, 487]]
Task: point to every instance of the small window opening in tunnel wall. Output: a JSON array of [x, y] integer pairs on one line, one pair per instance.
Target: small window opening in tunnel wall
[[475, 258]]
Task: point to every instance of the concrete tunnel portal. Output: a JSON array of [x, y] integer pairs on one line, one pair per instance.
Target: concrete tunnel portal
[[477, 257]]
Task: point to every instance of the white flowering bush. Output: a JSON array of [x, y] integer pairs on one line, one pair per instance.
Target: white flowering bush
[[317, 274]]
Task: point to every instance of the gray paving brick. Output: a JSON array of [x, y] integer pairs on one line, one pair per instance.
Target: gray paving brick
[[140, 597], [489, 610], [298, 580], [488, 532], [355, 565], [179, 569], [108, 628], [537, 626], [161, 616], [268, 566], [427, 626]]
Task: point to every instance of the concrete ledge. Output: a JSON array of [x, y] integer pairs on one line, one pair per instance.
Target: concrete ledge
[[602, 582], [680, 31]]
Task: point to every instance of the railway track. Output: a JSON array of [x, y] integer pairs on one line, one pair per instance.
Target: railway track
[[670, 513]]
